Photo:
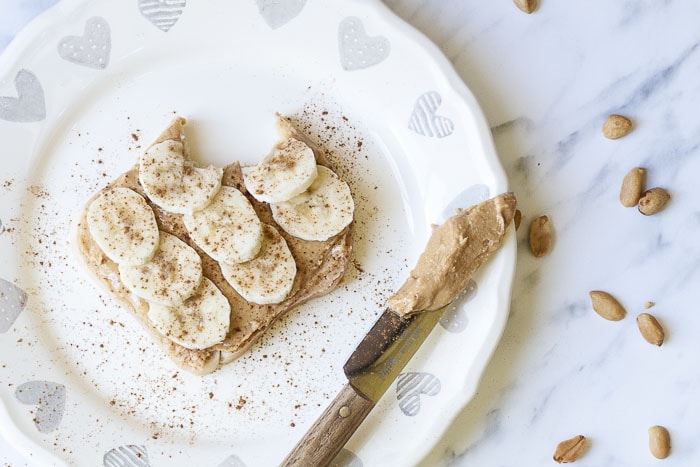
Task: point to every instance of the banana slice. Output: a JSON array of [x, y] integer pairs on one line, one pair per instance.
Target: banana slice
[[200, 322], [123, 226], [269, 277], [229, 229], [170, 277], [319, 213], [172, 181], [288, 171]]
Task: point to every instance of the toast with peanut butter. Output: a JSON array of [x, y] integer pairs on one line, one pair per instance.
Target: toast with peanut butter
[[205, 265]]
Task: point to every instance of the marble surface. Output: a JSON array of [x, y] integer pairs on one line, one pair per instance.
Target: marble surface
[[546, 82]]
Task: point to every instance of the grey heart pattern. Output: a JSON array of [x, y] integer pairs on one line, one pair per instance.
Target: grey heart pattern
[[277, 13], [92, 48], [163, 14], [29, 105], [50, 399], [469, 197], [346, 458], [409, 388], [357, 49], [130, 455], [12, 302], [2, 230], [232, 461], [424, 119], [455, 319]]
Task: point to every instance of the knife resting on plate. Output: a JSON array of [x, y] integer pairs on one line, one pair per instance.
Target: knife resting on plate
[[454, 252]]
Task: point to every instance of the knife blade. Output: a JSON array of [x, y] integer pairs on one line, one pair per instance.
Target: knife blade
[[386, 349], [395, 337]]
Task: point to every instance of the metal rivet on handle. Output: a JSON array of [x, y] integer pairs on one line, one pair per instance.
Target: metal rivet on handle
[[344, 411]]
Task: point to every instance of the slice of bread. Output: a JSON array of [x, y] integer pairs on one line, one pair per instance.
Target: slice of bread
[[320, 264]]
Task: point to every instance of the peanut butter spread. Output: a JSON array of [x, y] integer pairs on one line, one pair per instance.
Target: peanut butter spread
[[455, 250], [320, 266]]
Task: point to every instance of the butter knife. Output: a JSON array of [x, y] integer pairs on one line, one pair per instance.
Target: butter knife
[[395, 337]]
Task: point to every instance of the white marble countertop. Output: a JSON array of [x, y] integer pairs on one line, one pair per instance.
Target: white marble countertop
[[546, 82]]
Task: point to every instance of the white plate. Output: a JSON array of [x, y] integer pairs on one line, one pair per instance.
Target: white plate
[[89, 82]]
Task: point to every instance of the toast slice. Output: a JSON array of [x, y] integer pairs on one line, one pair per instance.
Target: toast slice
[[320, 264]]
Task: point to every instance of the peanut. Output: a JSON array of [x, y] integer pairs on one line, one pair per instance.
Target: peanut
[[659, 442], [528, 6], [632, 187], [616, 126], [517, 218], [607, 306], [571, 449], [650, 329], [653, 201], [540, 236]]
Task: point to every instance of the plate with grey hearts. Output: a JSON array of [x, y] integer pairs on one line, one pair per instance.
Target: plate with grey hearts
[[84, 89]]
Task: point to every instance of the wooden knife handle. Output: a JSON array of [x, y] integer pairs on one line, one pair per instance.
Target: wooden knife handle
[[331, 431]]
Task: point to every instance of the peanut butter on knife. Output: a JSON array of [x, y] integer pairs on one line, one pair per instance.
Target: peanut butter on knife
[[455, 250]]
